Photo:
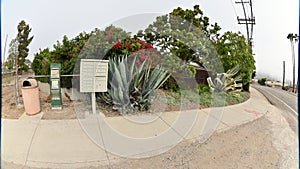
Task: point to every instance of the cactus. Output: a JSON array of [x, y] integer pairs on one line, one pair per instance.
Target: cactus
[[130, 86], [224, 81]]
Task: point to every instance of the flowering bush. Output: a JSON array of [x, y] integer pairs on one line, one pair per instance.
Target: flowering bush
[[134, 47], [128, 46]]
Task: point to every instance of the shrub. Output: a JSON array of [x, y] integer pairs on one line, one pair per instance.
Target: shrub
[[202, 88], [235, 97], [262, 81], [192, 70], [286, 88], [171, 85], [224, 82]]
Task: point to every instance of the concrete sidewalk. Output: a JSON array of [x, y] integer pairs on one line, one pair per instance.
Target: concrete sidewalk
[[98, 140]]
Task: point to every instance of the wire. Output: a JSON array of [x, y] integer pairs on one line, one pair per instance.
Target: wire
[[233, 8]]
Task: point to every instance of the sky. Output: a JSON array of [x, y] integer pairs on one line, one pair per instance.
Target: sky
[[51, 19]]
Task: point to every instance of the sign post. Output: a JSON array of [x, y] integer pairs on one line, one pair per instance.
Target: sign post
[[93, 78], [55, 89]]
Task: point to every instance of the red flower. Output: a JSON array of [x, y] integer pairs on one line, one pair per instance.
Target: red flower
[[128, 46], [117, 45], [142, 58], [149, 46]]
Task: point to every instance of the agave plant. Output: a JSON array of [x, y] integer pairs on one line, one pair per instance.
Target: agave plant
[[224, 81], [129, 85]]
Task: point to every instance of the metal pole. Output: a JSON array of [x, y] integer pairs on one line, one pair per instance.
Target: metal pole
[[15, 90], [94, 102]]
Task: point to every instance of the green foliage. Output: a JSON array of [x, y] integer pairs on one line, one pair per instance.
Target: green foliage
[[183, 34], [171, 85], [23, 41], [100, 43], [224, 82], [192, 70], [65, 52], [9, 63], [12, 54], [202, 88], [292, 37], [92, 45], [41, 64], [233, 50], [262, 81], [235, 97], [286, 88], [206, 99], [130, 85], [170, 98]]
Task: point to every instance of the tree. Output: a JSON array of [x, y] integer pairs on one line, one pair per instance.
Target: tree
[[41, 63], [293, 37], [234, 50], [12, 54], [93, 45], [23, 41], [65, 52], [185, 34]]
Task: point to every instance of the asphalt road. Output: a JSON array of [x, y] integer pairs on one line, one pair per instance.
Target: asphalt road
[[285, 101]]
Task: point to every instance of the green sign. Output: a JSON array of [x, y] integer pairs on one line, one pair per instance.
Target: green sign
[[55, 90]]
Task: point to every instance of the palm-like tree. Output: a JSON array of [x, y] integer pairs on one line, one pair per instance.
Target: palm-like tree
[[293, 38]]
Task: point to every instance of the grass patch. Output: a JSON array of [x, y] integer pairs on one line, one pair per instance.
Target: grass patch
[[205, 99]]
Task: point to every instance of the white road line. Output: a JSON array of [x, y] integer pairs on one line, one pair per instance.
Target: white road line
[[283, 103]]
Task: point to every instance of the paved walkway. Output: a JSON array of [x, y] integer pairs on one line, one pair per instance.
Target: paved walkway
[[97, 140]]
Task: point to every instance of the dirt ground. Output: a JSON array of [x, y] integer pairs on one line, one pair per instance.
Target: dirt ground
[[244, 147], [11, 111], [248, 146]]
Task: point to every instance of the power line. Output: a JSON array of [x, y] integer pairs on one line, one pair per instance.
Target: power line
[[233, 8], [248, 20]]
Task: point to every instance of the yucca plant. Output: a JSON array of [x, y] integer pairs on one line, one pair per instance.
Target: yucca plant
[[130, 86], [224, 81]]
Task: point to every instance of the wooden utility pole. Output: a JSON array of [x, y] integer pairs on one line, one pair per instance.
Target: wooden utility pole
[[283, 80], [248, 20]]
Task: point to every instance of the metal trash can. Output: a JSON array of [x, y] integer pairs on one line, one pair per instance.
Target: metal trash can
[[31, 97]]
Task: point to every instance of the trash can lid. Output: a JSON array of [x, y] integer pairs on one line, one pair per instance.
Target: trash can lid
[[30, 83]]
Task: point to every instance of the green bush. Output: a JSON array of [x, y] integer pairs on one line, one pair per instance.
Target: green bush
[[285, 88], [171, 85], [262, 81], [202, 88], [205, 99], [192, 70]]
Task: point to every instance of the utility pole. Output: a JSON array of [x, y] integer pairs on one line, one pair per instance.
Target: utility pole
[[4, 50], [283, 80], [248, 20], [293, 37]]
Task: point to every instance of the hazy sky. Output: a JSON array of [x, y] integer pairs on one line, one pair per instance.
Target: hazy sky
[[51, 19]]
